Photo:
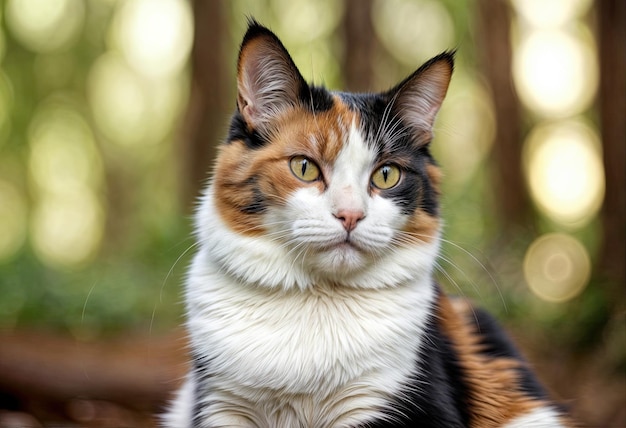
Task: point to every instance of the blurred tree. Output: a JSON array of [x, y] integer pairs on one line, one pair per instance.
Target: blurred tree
[[359, 45], [511, 197], [612, 103], [209, 100]]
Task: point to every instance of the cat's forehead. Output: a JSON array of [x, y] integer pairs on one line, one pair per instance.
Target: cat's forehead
[[322, 133]]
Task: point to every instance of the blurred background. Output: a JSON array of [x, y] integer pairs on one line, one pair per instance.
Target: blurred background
[[110, 111]]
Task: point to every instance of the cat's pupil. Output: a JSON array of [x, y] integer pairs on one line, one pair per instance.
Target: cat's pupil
[[304, 166], [385, 172]]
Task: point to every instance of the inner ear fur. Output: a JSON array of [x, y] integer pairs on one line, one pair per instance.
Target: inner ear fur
[[418, 98], [268, 81]]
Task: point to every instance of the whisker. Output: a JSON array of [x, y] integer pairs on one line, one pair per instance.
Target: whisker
[[82, 315], [458, 268], [169, 273], [483, 267], [404, 238]]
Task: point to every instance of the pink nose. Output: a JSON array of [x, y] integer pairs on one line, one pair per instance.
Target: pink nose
[[349, 218]]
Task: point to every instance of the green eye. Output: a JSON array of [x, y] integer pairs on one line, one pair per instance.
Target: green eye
[[386, 177], [304, 169]]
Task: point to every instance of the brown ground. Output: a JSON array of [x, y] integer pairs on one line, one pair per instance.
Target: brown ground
[[56, 381]]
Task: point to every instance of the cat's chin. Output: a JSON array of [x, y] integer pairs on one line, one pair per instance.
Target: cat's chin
[[340, 259]]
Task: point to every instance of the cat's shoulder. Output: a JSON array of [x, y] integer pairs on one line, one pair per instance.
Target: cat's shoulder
[[494, 383], [481, 340]]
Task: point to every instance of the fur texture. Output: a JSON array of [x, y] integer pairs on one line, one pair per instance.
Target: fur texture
[[311, 301]]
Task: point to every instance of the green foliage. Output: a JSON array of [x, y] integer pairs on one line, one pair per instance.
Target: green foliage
[[138, 290]]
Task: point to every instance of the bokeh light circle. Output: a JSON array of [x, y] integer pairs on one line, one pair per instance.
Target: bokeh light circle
[[556, 267], [66, 229], [66, 174], [155, 36], [118, 99], [304, 21], [564, 171], [45, 25], [555, 72], [551, 13], [129, 110], [63, 152], [413, 31]]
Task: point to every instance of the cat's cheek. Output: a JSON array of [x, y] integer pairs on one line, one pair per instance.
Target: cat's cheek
[[300, 213], [380, 229], [422, 228]]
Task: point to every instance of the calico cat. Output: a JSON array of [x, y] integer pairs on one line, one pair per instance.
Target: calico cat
[[311, 300]]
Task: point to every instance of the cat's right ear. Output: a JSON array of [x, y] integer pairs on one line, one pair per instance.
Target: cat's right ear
[[268, 81], [418, 98]]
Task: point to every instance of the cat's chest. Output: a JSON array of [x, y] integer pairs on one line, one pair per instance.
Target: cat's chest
[[315, 343]]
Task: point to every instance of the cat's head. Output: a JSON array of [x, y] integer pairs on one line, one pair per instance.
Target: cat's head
[[339, 186]]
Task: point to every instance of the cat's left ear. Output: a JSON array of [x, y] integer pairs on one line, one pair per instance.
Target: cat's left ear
[[418, 98], [268, 81]]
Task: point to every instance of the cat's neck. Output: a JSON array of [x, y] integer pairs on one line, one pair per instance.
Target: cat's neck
[[266, 343], [261, 261]]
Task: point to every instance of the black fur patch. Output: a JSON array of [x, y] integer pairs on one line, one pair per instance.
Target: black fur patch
[[415, 189], [238, 131], [316, 99], [201, 375], [257, 205], [371, 108]]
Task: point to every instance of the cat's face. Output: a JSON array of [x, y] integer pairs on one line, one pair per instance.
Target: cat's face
[[336, 181]]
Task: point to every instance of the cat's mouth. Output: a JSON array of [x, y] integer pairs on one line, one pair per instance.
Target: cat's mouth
[[348, 244], [345, 244]]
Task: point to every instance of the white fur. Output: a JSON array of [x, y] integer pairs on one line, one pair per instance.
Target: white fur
[[180, 411], [307, 326], [541, 417]]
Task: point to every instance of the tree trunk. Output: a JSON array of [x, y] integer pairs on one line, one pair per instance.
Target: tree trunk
[[208, 107], [612, 103], [359, 45], [512, 201]]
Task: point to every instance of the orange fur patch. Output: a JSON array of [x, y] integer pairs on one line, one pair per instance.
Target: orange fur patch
[[422, 227], [435, 175], [494, 395], [243, 174]]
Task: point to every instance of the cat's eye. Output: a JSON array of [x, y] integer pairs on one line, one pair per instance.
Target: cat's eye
[[304, 168], [386, 177]]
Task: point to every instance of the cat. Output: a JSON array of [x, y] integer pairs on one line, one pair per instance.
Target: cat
[[311, 300]]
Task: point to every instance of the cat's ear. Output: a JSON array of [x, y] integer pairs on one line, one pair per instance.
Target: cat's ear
[[268, 81], [418, 98]]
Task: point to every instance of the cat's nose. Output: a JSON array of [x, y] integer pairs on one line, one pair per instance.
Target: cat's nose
[[349, 218]]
